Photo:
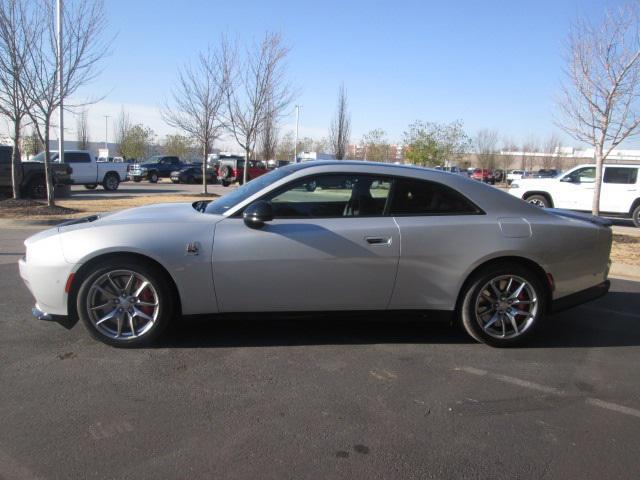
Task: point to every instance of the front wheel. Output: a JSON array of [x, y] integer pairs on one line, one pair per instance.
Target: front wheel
[[125, 302], [153, 178], [503, 305], [635, 216], [538, 200]]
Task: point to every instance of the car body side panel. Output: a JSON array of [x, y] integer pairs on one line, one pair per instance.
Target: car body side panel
[[162, 242]]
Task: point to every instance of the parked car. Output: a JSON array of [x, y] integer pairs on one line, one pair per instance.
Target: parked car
[[31, 175], [192, 174], [231, 169], [483, 175], [515, 175], [619, 197], [155, 167], [401, 238], [88, 171]]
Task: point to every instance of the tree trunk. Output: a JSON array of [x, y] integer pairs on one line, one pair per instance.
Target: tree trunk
[[595, 207], [47, 167], [204, 169], [16, 171], [247, 153]]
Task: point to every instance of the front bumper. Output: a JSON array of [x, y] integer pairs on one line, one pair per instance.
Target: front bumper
[[580, 297]]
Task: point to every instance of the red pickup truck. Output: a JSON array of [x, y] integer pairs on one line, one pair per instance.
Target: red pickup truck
[[232, 170], [484, 175]]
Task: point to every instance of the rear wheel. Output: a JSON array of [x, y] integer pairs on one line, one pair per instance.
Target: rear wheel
[[503, 305], [538, 200], [111, 182], [635, 216], [125, 302]]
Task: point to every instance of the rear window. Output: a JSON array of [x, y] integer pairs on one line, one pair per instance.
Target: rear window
[[623, 175], [419, 197]]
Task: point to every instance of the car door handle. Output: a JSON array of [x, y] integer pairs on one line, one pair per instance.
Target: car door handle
[[378, 240]]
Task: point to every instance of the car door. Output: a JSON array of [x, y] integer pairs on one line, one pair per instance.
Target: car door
[[619, 188], [84, 170], [329, 247], [575, 189]]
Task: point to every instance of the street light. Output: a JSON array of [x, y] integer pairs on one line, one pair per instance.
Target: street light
[[106, 118], [295, 147]]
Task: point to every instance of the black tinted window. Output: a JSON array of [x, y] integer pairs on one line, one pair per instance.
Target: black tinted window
[[620, 175], [418, 197], [76, 157]]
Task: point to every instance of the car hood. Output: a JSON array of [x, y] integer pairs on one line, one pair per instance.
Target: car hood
[[171, 213], [530, 182]]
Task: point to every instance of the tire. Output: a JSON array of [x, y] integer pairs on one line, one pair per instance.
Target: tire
[[635, 216], [158, 292], [37, 188], [538, 200], [153, 177], [111, 182], [91, 187], [487, 317]]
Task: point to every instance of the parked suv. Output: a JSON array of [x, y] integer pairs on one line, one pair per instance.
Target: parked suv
[[192, 174], [231, 169], [483, 175], [31, 175], [155, 167], [619, 195]]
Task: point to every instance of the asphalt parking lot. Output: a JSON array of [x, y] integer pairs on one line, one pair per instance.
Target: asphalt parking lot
[[135, 189], [319, 398]]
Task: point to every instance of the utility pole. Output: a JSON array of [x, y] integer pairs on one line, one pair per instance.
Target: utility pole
[[295, 145], [60, 77], [106, 130]]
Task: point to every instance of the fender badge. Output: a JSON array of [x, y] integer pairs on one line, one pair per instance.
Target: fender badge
[[192, 248]]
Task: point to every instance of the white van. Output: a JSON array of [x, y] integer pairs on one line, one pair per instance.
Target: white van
[[573, 190]]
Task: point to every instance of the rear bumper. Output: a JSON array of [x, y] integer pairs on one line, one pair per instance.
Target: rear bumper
[[580, 297]]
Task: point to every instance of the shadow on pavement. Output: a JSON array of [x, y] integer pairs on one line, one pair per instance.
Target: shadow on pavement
[[612, 321]]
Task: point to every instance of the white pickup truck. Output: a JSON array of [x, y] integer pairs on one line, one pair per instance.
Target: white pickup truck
[[88, 171], [573, 190]]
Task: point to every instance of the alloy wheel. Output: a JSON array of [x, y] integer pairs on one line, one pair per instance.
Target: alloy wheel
[[122, 304], [506, 306]]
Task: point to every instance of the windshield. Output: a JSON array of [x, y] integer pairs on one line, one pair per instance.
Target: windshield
[[40, 157], [226, 202]]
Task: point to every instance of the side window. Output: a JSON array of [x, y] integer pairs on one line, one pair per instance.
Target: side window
[[419, 197], [582, 175], [622, 175], [76, 157], [332, 196]]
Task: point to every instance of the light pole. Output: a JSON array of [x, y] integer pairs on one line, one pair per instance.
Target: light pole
[[295, 145], [60, 77], [106, 131]]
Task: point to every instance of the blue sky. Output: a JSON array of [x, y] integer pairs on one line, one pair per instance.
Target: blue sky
[[494, 64]]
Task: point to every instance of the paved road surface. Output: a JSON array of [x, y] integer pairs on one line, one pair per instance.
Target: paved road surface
[[319, 398]]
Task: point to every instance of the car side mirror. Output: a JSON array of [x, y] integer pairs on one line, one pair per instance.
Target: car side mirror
[[256, 214], [569, 180]]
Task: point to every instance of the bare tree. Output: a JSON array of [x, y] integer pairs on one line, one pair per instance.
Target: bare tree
[[260, 89], [486, 146], [340, 128], [198, 100], [14, 38], [551, 149], [269, 136], [599, 100], [83, 23], [529, 148], [121, 127], [285, 147], [82, 129]]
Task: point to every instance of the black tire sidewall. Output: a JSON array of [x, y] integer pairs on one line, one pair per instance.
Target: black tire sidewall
[[158, 279], [472, 290], [635, 216], [153, 177], [105, 184], [539, 197]]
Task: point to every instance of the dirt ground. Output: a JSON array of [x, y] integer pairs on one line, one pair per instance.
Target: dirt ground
[[626, 249]]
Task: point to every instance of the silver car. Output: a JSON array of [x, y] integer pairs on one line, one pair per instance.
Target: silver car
[[323, 236]]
